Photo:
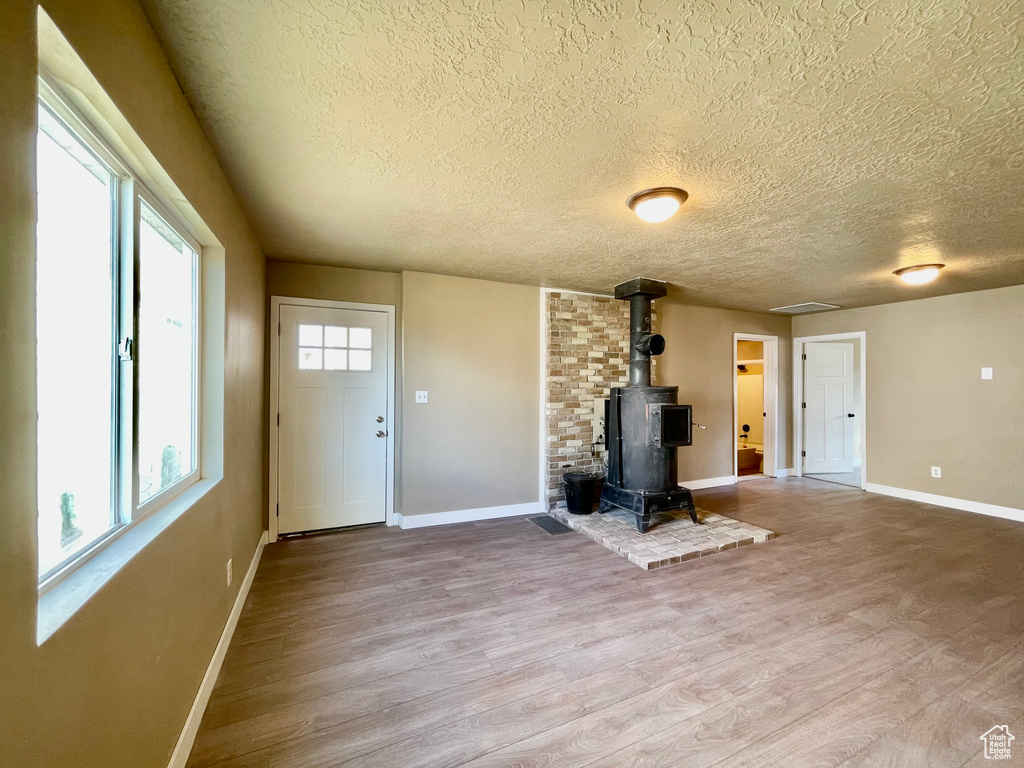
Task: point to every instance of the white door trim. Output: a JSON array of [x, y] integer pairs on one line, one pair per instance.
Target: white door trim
[[275, 354], [771, 401], [798, 398], [542, 470]]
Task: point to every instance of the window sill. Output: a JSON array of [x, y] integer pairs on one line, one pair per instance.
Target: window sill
[[61, 601]]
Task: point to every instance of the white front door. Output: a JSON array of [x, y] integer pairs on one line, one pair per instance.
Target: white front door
[[332, 401], [828, 415]]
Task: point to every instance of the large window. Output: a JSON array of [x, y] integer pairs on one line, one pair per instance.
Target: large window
[[117, 343]]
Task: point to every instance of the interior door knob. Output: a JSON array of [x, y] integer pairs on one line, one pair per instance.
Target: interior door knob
[[381, 433], [380, 419]]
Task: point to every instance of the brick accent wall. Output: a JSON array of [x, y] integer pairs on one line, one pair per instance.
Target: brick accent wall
[[587, 355]]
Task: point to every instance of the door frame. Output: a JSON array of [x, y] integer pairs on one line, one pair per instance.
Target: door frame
[[770, 355], [275, 354], [798, 398]]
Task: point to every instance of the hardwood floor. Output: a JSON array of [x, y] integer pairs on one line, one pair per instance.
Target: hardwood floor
[[872, 632]]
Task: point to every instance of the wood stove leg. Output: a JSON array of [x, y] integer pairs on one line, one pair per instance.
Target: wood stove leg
[[643, 522], [693, 515]]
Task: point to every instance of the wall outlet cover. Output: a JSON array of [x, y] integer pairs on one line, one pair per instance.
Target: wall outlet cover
[[421, 396], [936, 471], [986, 373]]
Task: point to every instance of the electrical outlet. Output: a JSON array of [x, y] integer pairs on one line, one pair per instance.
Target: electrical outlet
[[936, 471], [229, 571], [421, 396]]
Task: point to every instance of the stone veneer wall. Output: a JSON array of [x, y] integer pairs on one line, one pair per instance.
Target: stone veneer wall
[[587, 355]]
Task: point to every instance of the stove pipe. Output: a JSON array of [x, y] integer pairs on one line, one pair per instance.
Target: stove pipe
[[642, 343]]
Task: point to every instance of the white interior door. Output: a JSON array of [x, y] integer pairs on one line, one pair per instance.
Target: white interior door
[[332, 401], [828, 416]]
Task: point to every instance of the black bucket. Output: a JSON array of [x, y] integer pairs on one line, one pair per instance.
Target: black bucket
[[579, 492]]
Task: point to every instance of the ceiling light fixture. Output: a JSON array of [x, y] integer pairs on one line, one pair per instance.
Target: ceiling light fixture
[[919, 274], [658, 204]]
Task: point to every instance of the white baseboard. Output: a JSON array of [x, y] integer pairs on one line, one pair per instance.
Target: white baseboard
[[992, 510], [709, 482], [785, 472], [470, 515], [188, 733]]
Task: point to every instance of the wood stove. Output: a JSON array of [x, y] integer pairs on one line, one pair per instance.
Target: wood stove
[[643, 424]]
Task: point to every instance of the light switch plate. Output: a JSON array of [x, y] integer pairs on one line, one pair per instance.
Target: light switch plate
[[986, 373], [421, 396]]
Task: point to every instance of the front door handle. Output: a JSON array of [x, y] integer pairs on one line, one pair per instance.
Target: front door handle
[[380, 419], [381, 433]]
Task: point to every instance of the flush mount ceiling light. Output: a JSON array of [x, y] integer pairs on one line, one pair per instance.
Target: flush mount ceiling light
[[919, 274], [658, 204]]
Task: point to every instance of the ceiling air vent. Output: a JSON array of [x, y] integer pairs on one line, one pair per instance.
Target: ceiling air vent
[[803, 309]]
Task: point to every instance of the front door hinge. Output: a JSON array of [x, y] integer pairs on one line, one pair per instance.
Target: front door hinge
[[803, 405], [803, 454], [124, 349], [804, 357]]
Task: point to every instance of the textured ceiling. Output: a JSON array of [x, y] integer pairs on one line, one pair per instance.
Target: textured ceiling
[[823, 143]]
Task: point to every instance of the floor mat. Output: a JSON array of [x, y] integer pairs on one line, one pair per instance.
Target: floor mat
[[852, 479], [550, 525]]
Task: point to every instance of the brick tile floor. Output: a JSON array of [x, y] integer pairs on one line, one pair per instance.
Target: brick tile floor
[[672, 538]]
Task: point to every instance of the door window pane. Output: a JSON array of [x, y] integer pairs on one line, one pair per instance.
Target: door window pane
[[166, 355], [75, 337], [311, 359], [335, 359], [359, 360], [311, 335], [359, 338], [335, 336]]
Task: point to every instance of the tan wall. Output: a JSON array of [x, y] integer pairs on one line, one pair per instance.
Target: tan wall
[[113, 686], [749, 350], [698, 358], [311, 281], [750, 405], [926, 402], [475, 347]]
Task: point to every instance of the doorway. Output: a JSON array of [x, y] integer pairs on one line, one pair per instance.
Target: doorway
[[332, 414], [755, 405], [829, 377]]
